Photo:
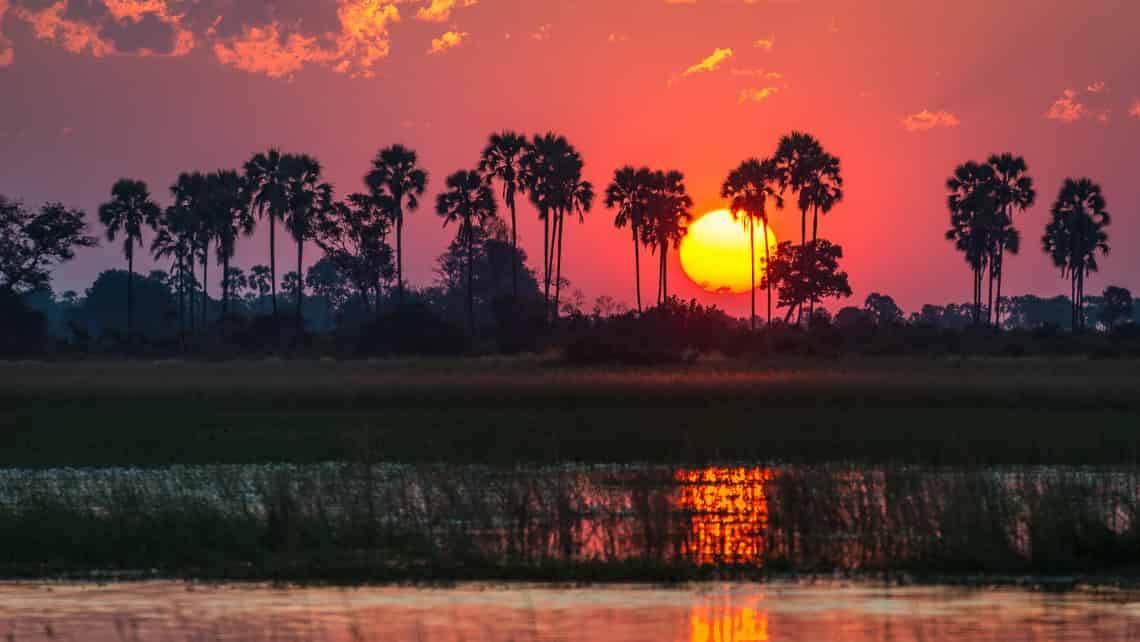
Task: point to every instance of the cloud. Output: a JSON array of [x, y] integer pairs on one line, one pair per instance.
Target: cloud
[[7, 53], [757, 95], [543, 33], [710, 63], [1067, 108], [926, 120], [440, 10], [448, 40]]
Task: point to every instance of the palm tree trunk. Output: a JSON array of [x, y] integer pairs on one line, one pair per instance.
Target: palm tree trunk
[[514, 251], [399, 254], [300, 286], [273, 262], [470, 281], [752, 269], [130, 287], [558, 276], [767, 269], [205, 284], [636, 264]]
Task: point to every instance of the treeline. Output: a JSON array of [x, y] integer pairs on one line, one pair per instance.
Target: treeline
[[353, 299]]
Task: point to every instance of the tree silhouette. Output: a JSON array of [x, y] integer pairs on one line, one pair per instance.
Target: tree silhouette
[[396, 182], [1014, 192], [502, 161], [628, 192], [814, 175], [306, 196], [128, 210], [668, 213], [1075, 234], [30, 242], [974, 218], [354, 236], [173, 240], [469, 201], [266, 184], [232, 215], [749, 188], [804, 273]]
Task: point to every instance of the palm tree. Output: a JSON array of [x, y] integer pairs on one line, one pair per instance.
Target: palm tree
[[397, 182], [191, 192], [973, 218], [579, 199], [502, 160], [814, 175], [1014, 192], [306, 197], [749, 187], [1074, 236], [173, 241], [668, 212], [468, 200], [628, 192], [128, 210], [265, 182], [544, 171], [230, 202]]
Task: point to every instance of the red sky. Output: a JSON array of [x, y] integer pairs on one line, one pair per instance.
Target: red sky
[[901, 91]]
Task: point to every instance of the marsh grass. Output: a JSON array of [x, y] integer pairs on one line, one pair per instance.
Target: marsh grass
[[354, 523], [502, 411]]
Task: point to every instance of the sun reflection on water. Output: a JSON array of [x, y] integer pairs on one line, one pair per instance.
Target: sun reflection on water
[[728, 511]]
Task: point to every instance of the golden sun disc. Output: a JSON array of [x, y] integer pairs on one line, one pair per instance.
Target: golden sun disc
[[714, 253]]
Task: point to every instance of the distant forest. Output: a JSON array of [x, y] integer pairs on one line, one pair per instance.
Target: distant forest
[[352, 300]]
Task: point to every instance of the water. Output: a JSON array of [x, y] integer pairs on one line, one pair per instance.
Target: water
[[778, 612]]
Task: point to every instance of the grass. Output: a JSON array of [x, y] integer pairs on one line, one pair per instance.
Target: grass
[[919, 411]]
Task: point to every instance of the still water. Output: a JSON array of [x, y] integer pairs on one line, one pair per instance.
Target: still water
[[736, 612]]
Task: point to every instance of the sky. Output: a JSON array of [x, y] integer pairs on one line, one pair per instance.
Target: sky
[[900, 90]]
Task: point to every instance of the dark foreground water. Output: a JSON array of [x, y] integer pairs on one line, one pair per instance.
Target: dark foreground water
[[784, 612]]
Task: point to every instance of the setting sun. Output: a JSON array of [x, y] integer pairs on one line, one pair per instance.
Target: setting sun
[[714, 253]]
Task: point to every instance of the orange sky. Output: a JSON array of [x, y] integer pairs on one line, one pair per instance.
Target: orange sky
[[901, 91]]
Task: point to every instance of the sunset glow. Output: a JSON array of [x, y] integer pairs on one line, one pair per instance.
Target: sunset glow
[[714, 253]]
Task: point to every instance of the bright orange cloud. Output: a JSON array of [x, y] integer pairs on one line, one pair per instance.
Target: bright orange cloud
[[757, 95], [1067, 108], [448, 40], [363, 41], [440, 10], [926, 120], [710, 63]]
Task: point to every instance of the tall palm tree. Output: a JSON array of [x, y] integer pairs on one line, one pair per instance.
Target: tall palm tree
[[468, 200], [814, 175], [502, 161], [973, 219], [265, 182], [173, 241], [306, 197], [668, 213], [397, 181], [628, 192], [1075, 234], [578, 200], [1014, 192], [231, 203], [128, 210], [545, 170], [749, 187]]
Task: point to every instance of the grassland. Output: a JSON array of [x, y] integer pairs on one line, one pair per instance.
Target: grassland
[[921, 411]]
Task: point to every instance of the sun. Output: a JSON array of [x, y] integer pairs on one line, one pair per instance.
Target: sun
[[714, 253]]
